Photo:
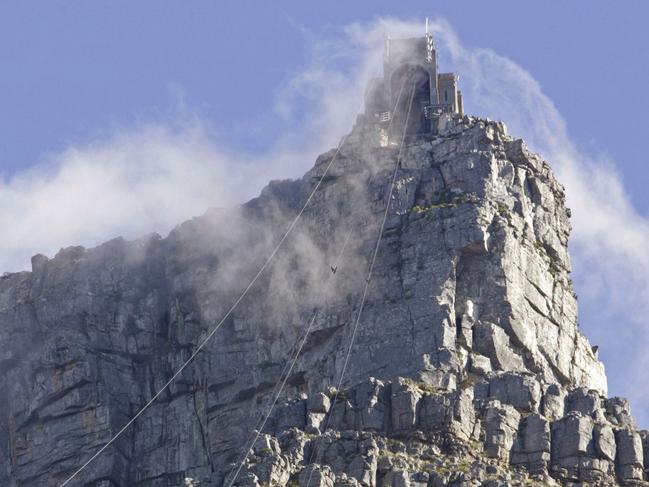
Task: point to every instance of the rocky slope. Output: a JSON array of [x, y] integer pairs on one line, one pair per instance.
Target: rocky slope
[[467, 368]]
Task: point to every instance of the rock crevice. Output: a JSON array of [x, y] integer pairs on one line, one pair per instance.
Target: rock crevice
[[467, 368]]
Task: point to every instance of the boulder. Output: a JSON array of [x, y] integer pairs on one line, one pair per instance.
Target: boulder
[[532, 446], [629, 459], [501, 427], [553, 402], [404, 404], [318, 403], [587, 402], [521, 391], [572, 437]]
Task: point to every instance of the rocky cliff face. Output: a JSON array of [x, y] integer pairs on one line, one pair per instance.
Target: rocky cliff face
[[467, 368]]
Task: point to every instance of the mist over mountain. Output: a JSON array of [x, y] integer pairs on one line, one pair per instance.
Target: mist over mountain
[[402, 314], [466, 366]]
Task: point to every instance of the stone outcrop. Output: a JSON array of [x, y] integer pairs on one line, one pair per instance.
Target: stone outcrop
[[467, 367]]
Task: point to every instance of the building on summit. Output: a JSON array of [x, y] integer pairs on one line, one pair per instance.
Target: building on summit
[[411, 90]]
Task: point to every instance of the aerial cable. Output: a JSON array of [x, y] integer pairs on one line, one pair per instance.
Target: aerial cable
[[225, 317], [249, 445], [367, 280], [269, 399]]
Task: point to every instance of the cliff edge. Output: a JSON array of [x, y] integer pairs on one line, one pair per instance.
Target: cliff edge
[[467, 367]]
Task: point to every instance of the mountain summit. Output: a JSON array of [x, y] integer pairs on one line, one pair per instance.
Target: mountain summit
[[418, 327]]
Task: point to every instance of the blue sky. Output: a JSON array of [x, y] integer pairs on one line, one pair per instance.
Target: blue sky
[[89, 86], [74, 69]]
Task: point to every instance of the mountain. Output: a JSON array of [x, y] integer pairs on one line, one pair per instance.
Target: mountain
[[465, 367]]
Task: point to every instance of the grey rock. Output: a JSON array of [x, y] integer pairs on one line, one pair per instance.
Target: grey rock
[[291, 415], [480, 364], [605, 441], [373, 404], [318, 403], [629, 455], [396, 479], [468, 347], [266, 444], [572, 436], [314, 422], [317, 407], [363, 468], [405, 405], [618, 412], [493, 342], [464, 414], [522, 392], [553, 402], [532, 447], [584, 401], [501, 427], [317, 476], [436, 412]]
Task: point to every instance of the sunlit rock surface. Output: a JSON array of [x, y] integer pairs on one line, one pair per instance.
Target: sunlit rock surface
[[467, 367]]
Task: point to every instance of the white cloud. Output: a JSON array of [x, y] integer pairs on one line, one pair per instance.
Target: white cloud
[[130, 184], [146, 179], [610, 240], [151, 178]]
